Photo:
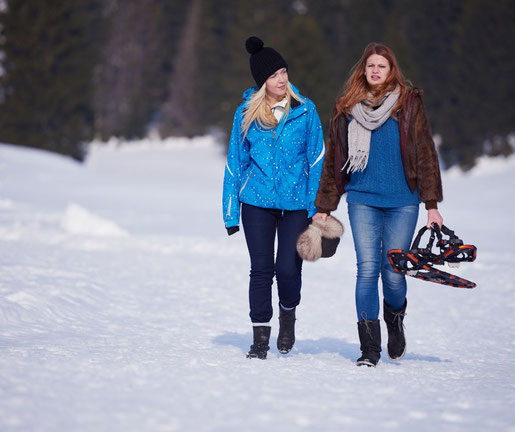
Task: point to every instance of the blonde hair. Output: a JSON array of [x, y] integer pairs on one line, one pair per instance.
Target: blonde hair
[[258, 110]]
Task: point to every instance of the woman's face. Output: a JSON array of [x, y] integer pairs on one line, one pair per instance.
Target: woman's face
[[276, 84], [377, 69]]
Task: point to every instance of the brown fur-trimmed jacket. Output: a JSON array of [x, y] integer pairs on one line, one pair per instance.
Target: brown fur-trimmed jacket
[[418, 153]]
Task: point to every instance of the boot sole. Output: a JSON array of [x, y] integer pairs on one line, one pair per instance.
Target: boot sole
[[365, 363], [284, 349], [253, 356], [400, 357]]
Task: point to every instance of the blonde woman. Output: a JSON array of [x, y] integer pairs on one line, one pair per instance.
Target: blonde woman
[[273, 169]]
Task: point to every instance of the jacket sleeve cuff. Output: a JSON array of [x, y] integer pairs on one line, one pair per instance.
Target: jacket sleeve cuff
[[431, 205], [233, 230]]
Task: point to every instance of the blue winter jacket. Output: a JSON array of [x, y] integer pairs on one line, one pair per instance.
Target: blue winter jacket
[[275, 168]]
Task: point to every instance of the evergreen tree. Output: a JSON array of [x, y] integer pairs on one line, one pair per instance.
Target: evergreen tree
[[49, 52], [179, 115], [430, 29], [311, 64], [479, 115], [224, 61], [334, 18], [368, 21], [131, 77], [183, 66], [396, 36]]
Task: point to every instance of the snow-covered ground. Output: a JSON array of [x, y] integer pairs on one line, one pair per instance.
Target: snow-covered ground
[[123, 307]]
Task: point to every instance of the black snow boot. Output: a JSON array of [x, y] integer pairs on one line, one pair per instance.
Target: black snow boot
[[286, 337], [260, 346], [370, 338], [396, 337]]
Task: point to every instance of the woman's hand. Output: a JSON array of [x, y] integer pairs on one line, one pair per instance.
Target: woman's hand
[[322, 216], [433, 216]]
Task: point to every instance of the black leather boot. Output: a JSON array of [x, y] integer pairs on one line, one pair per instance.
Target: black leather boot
[[261, 339], [286, 337], [394, 323], [370, 338]]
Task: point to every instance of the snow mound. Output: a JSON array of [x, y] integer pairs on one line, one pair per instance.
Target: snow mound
[[153, 143], [78, 220], [485, 166]]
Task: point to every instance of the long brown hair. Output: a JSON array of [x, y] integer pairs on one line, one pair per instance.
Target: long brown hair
[[357, 88]]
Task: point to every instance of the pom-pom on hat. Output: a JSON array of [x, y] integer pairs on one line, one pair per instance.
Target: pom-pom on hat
[[264, 61]]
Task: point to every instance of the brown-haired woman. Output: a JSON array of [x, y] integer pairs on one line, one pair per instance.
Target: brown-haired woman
[[380, 151]]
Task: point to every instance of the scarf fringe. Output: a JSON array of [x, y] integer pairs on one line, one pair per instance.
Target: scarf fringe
[[356, 163]]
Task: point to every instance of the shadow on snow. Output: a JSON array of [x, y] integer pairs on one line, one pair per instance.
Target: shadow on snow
[[345, 349]]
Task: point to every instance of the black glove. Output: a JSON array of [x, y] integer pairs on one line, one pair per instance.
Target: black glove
[[232, 230]]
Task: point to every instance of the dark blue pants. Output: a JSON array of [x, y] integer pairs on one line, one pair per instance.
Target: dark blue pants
[[261, 226]]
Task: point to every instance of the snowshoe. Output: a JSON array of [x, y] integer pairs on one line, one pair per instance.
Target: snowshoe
[[419, 262]]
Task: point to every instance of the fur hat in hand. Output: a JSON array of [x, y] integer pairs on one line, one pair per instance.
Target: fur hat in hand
[[320, 239]]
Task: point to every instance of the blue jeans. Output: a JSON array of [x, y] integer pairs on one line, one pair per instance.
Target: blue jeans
[[376, 230], [261, 226]]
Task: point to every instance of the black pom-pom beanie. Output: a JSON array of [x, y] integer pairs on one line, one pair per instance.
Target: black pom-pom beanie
[[264, 61]]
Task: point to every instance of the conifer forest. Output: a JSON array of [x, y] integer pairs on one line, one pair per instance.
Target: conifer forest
[[77, 70]]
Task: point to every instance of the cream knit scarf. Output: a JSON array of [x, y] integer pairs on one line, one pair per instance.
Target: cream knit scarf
[[365, 119]]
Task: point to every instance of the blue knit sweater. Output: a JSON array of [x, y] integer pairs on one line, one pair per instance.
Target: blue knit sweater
[[382, 183]]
